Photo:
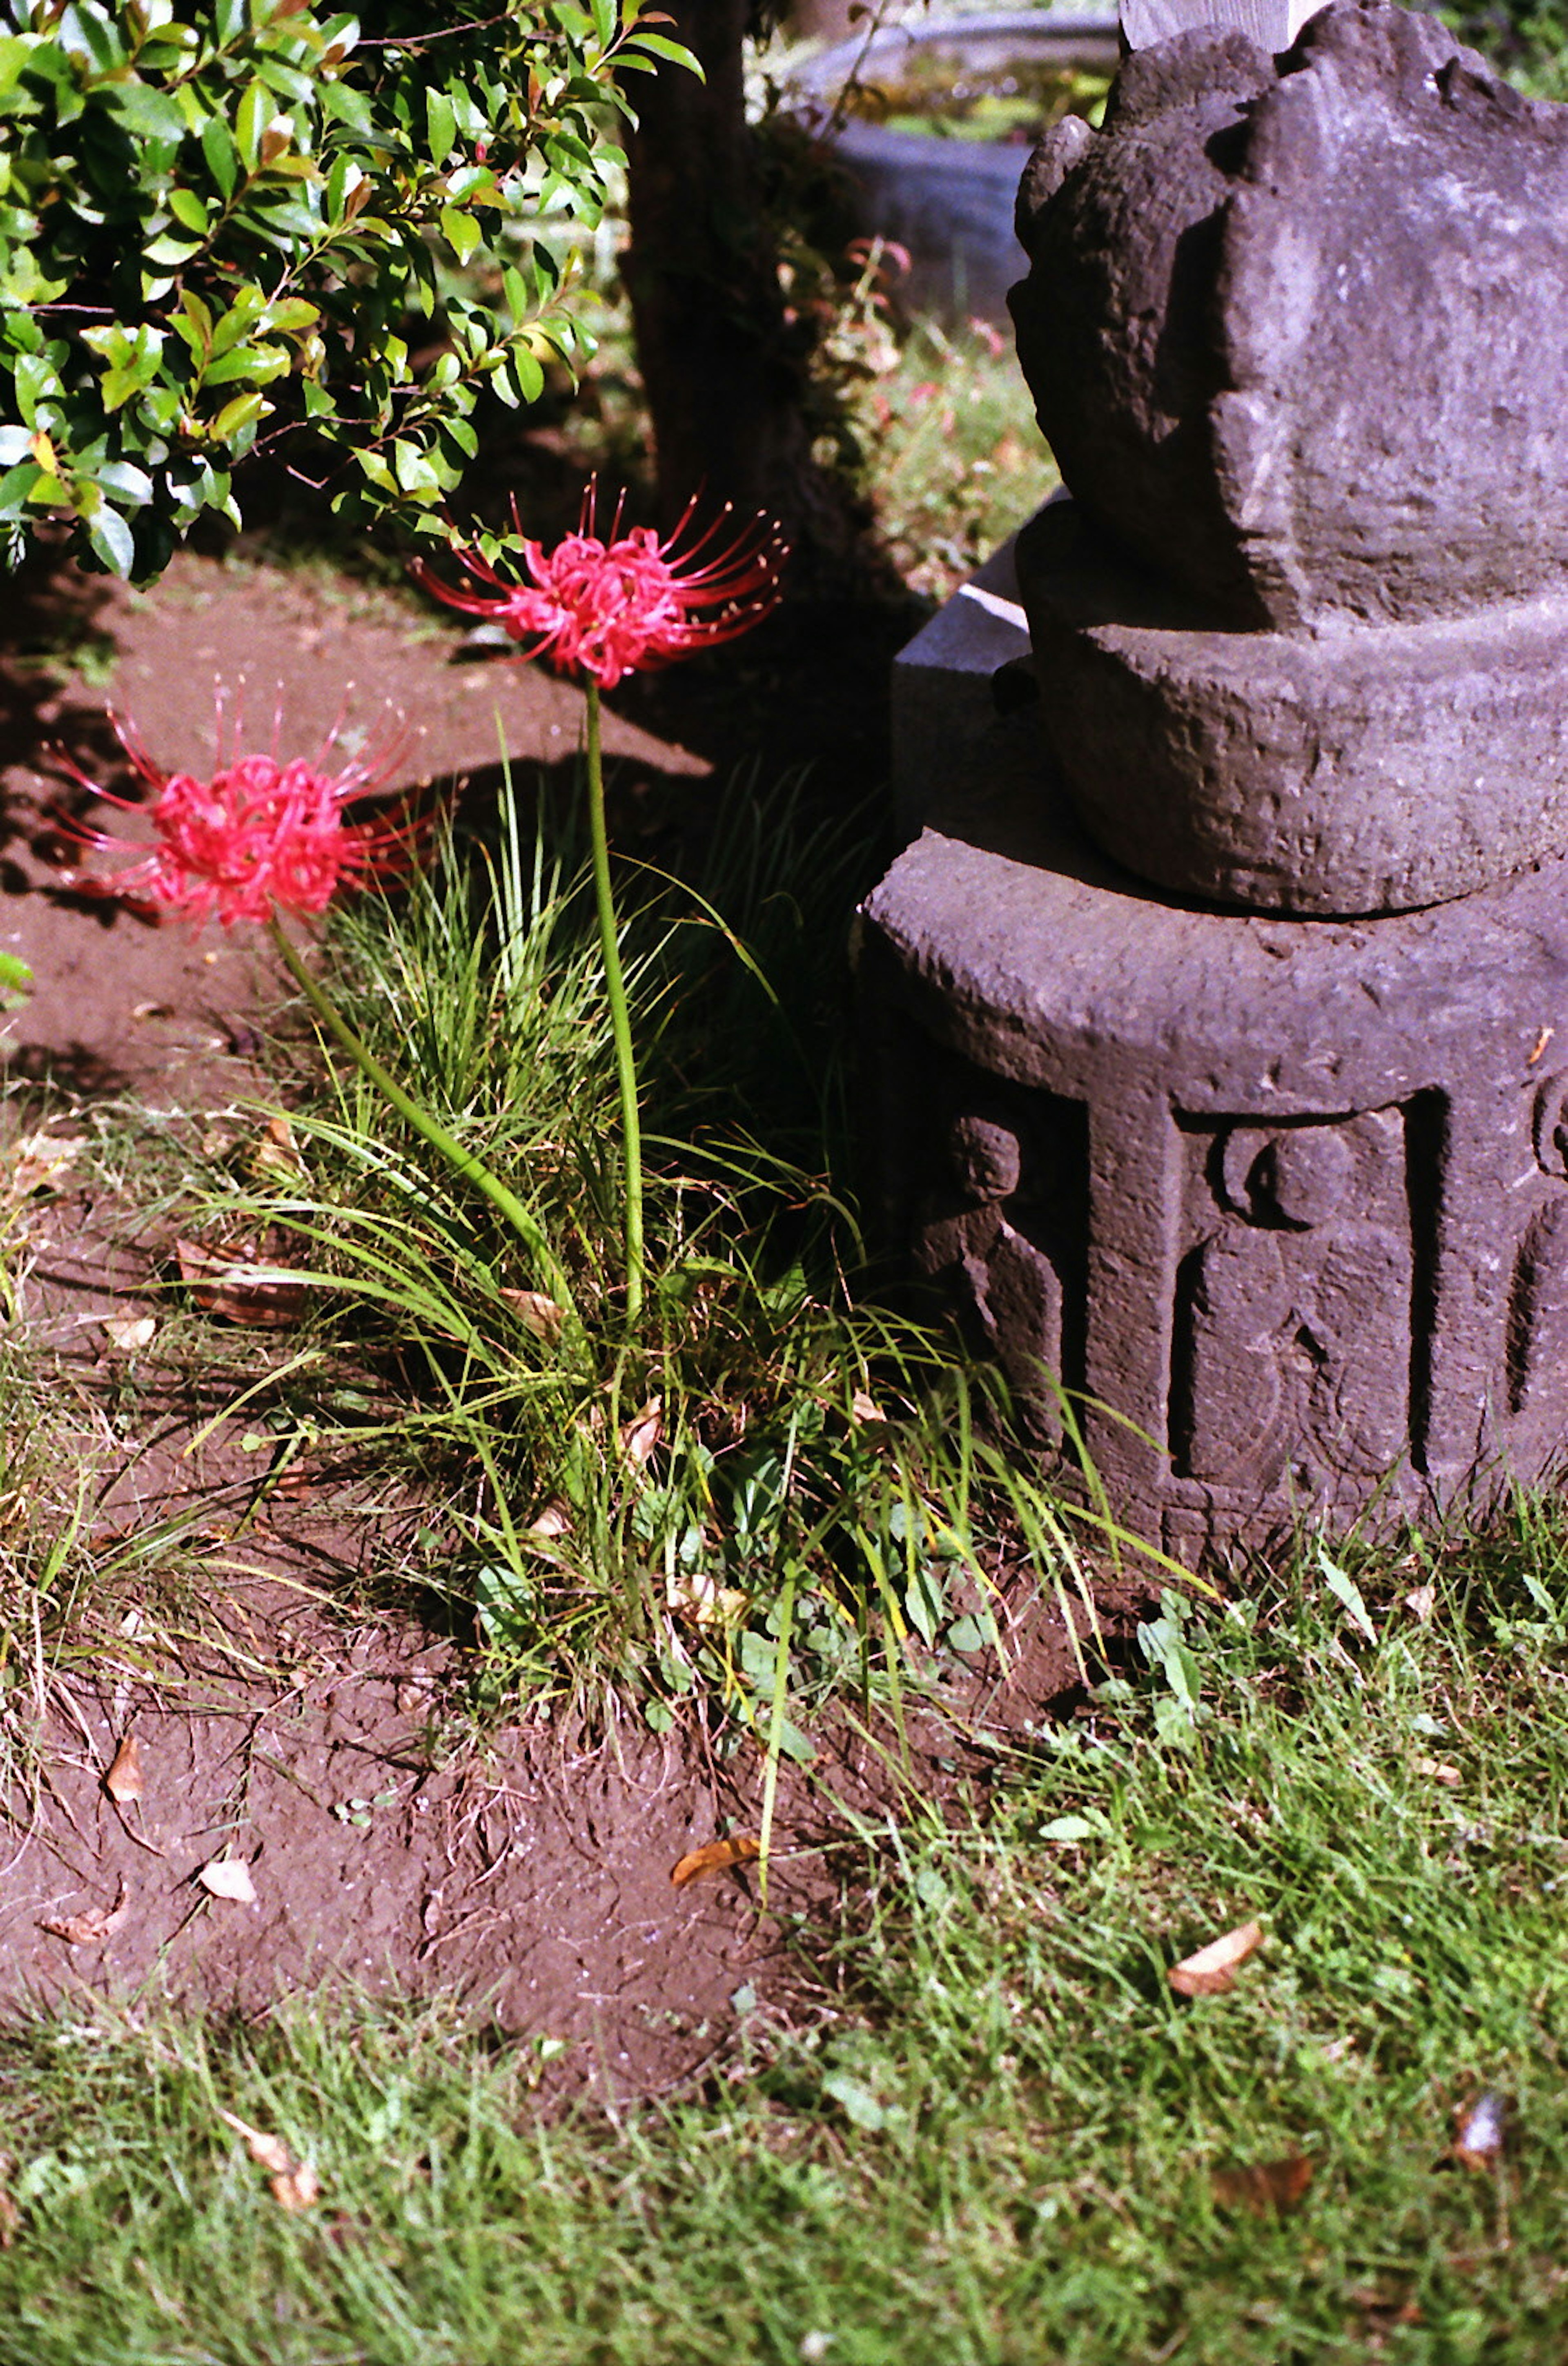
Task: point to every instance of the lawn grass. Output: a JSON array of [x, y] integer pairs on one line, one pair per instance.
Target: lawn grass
[[997, 2135]]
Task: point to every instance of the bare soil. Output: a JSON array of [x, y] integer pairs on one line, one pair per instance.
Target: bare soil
[[291, 1713]]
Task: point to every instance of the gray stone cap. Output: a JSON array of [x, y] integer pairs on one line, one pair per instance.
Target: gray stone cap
[[1042, 958]]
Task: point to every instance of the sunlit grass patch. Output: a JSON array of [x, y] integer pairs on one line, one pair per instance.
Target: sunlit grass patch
[[997, 2135]]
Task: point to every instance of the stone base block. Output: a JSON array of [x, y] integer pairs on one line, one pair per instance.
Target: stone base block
[[1360, 769], [1283, 1204]]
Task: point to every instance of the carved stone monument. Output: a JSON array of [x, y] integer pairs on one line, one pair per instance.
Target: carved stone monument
[[1222, 1009]]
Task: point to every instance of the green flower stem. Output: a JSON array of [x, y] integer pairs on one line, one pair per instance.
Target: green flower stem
[[620, 1024], [470, 1168]]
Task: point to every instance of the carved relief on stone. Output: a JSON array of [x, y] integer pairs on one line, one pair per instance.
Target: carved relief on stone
[[1537, 1314], [1293, 1328], [1004, 1225]]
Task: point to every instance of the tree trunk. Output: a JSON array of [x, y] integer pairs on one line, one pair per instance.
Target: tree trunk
[[724, 370]]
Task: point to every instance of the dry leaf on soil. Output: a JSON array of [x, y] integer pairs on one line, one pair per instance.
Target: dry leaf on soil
[[123, 1780], [238, 1286], [295, 2184], [130, 1331], [89, 1930], [275, 1150], [536, 1314], [1265, 2186], [1478, 2130], [642, 1433], [39, 1160], [230, 1878], [1439, 1769], [716, 1857], [1421, 1600], [1213, 1969], [10, 2220]]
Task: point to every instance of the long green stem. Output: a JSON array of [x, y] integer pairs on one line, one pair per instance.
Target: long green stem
[[470, 1168], [620, 1023]]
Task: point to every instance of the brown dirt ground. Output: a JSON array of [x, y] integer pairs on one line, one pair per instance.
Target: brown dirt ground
[[284, 1716]]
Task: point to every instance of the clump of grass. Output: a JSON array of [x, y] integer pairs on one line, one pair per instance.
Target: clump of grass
[[1000, 2136], [775, 1487]]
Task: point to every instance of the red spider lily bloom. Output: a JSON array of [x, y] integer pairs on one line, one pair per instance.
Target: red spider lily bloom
[[606, 608], [258, 838]]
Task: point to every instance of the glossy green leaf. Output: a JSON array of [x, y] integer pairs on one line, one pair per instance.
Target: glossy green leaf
[[222, 156], [112, 541], [462, 232], [235, 417], [255, 112], [441, 125]]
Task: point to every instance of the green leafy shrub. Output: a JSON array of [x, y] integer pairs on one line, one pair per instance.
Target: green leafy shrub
[[243, 224]]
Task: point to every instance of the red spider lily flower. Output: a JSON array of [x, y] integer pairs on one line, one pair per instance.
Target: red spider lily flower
[[258, 838], [627, 604]]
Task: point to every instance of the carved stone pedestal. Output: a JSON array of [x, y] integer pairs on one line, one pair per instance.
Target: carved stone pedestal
[[1285, 1203], [1280, 1198]]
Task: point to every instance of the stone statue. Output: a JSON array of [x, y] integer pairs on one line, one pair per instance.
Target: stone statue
[[1263, 918], [1297, 328]]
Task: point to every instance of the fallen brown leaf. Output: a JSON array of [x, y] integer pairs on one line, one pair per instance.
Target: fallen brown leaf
[[716, 1857], [1478, 2130], [1421, 1600], [1439, 1769], [275, 1150], [39, 1160], [536, 1314], [130, 1331], [297, 2188], [295, 2184], [10, 2220], [268, 2152], [642, 1433], [89, 1930], [238, 1286], [228, 1877], [864, 1408], [123, 1780], [1213, 1969], [552, 1519], [1265, 2186]]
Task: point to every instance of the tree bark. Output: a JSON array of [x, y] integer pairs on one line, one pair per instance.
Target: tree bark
[[722, 366]]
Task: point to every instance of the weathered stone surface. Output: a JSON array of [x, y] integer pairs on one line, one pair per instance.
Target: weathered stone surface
[[1359, 768], [1298, 328], [1278, 1204], [1283, 1203]]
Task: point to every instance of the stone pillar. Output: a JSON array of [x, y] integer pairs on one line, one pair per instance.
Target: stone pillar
[[1220, 1012]]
